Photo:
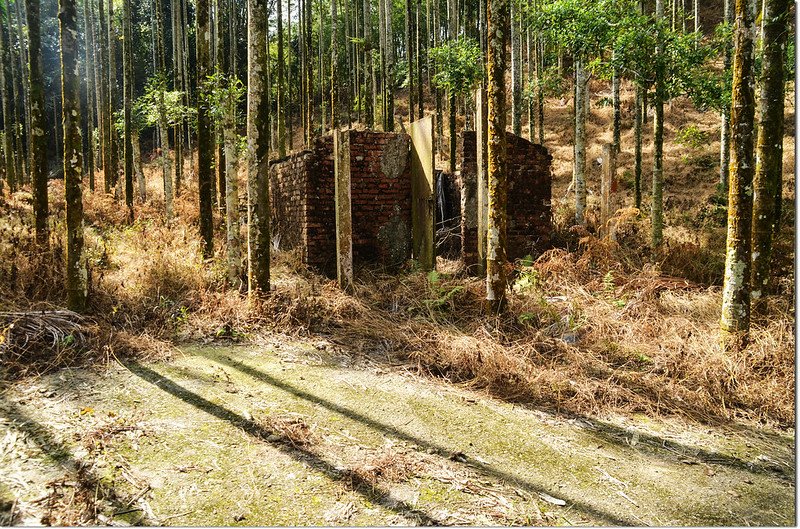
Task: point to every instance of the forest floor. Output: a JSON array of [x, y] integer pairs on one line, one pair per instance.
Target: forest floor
[[296, 434], [601, 397]]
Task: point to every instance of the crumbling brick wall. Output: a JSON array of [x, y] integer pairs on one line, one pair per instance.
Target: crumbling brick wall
[[303, 203], [529, 195], [380, 177]]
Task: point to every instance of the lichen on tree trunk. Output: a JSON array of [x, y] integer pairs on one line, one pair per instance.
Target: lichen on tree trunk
[[498, 21], [735, 321], [73, 152]]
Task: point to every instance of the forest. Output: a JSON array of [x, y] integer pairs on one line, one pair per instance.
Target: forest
[[397, 262]]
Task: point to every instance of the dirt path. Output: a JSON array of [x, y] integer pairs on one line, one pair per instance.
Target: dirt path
[[295, 436]]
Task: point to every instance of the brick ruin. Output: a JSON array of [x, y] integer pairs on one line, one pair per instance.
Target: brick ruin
[[303, 201], [303, 204], [529, 195]]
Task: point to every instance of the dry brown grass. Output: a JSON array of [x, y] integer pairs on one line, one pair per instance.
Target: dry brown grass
[[592, 328]]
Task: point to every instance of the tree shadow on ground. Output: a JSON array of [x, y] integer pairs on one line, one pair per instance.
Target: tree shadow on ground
[[302, 454], [442, 451], [661, 448], [89, 486]]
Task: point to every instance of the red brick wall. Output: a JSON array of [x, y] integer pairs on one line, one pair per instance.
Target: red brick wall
[[529, 195], [303, 204]]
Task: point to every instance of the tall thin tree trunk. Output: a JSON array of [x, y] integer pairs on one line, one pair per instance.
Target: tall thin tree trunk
[[16, 90], [91, 90], [409, 59], [258, 214], [768, 183], [725, 128], [581, 80], [103, 119], [127, 89], [38, 140], [516, 89], [617, 128], [73, 147], [735, 321], [657, 204], [234, 250], [112, 99], [498, 21], [163, 128], [12, 179], [334, 64], [204, 143], [281, 85], [637, 140], [390, 66], [369, 111]]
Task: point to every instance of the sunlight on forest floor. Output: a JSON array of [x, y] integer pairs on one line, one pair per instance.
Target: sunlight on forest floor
[[292, 435]]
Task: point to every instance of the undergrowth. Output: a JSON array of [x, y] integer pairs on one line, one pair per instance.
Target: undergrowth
[[604, 327]]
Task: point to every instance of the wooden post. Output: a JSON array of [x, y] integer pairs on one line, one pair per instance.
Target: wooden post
[[483, 183], [344, 216], [423, 193], [608, 186]]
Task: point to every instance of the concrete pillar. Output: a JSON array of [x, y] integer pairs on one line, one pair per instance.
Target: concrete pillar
[[344, 215], [423, 193]]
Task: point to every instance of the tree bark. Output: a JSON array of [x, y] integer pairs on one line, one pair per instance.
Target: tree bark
[[725, 128], [637, 140], [516, 89], [8, 124], [657, 204], [769, 147], [127, 89], [581, 80], [38, 140], [91, 90], [232, 197], [258, 214], [73, 146], [112, 99], [735, 321], [281, 84], [204, 143], [498, 21]]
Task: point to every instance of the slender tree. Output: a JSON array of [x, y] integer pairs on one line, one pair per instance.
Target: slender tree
[[113, 171], [38, 140], [281, 82], [73, 147], [735, 321], [657, 204], [8, 124], [769, 148], [258, 215], [127, 90], [581, 96], [725, 120], [498, 22], [204, 143], [91, 89]]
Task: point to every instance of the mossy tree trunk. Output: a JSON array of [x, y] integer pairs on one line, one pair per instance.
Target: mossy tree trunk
[[637, 142], [769, 147], [498, 22], [17, 97], [657, 204], [258, 214], [581, 81], [735, 321], [91, 92], [103, 117], [725, 121], [8, 124], [38, 140], [334, 65], [73, 151], [127, 102], [281, 82], [516, 66], [163, 125], [112, 99], [204, 138], [232, 194]]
